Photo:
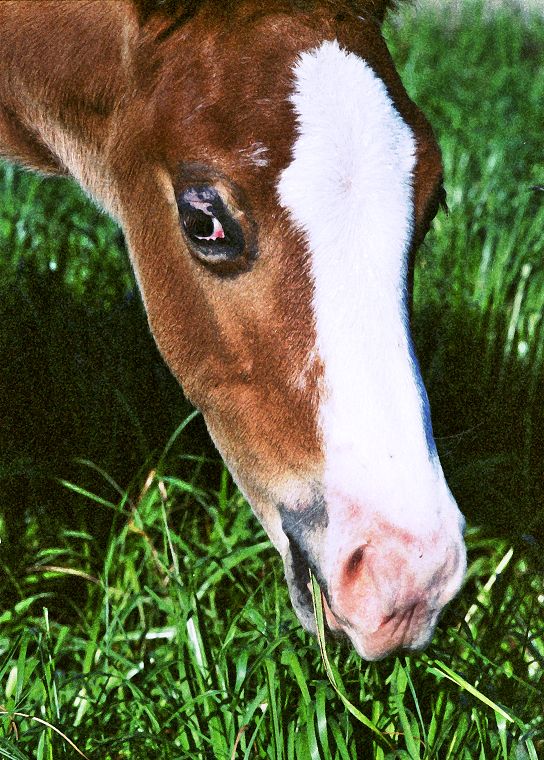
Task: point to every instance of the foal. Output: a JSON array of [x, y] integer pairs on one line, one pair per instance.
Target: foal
[[272, 178]]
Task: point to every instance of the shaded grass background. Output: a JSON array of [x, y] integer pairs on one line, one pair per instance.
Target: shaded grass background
[[143, 613]]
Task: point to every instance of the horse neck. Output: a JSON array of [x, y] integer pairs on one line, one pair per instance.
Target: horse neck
[[67, 69]]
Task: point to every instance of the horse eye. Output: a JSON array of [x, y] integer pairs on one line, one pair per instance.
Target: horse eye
[[201, 225], [213, 233]]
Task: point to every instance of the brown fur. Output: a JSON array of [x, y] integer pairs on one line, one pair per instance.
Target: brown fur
[[182, 9]]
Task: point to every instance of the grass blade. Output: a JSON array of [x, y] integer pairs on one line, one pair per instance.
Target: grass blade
[[319, 617]]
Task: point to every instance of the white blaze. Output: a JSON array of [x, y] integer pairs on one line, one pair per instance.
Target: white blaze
[[349, 187]]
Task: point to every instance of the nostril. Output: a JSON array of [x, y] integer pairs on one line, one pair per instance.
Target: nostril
[[353, 565]]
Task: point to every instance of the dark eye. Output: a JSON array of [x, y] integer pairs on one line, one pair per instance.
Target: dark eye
[[211, 229]]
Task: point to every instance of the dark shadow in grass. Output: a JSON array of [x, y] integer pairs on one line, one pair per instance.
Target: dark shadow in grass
[[77, 381], [488, 419]]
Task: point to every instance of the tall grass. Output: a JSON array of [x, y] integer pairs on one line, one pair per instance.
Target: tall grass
[[144, 613], [479, 291]]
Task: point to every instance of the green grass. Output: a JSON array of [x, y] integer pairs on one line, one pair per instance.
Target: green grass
[[143, 613]]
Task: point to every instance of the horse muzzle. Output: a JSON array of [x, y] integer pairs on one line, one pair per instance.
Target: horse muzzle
[[384, 585]]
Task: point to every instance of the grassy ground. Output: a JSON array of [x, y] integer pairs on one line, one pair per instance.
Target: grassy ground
[[143, 613]]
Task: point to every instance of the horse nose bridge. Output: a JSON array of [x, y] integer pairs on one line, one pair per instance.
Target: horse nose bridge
[[408, 493]]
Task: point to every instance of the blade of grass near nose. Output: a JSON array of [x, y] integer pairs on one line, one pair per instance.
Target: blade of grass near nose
[[320, 624]]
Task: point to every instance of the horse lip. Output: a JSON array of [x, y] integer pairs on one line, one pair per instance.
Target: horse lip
[[303, 568], [304, 527], [298, 569]]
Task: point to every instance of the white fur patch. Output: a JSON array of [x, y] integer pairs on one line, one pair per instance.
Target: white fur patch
[[349, 188]]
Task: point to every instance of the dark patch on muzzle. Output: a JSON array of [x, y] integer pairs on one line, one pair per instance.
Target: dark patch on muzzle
[[302, 519]]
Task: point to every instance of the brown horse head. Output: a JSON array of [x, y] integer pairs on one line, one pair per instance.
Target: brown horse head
[[272, 178]]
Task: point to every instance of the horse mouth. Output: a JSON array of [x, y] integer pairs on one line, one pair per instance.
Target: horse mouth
[[406, 630], [298, 572]]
